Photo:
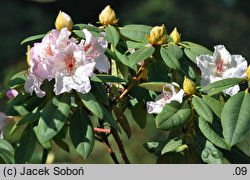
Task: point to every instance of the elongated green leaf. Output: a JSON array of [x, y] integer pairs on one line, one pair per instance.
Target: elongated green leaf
[[81, 133], [123, 121], [33, 38], [172, 145], [154, 86], [97, 109], [139, 108], [106, 78], [62, 144], [26, 146], [195, 50], [23, 104], [86, 26], [99, 92], [112, 35], [54, 116], [173, 115], [214, 104], [47, 145], [176, 50], [235, 118], [134, 45], [136, 32], [29, 118], [222, 84], [6, 152], [169, 58], [236, 156], [79, 33], [18, 79], [202, 109], [211, 154], [140, 55], [211, 135]]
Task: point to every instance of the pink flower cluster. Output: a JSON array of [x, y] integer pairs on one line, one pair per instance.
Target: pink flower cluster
[[70, 63]]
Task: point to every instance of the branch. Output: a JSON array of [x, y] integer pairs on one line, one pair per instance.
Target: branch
[[120, 145]]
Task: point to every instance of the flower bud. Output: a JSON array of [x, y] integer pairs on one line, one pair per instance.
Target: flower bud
[[175, 36], [107, 16], [63, 20], [158, 35], [12, 93], [28, 55], [248, 72], [189, 86]]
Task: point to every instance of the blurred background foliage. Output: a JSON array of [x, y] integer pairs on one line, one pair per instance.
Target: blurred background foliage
[[206, 22]]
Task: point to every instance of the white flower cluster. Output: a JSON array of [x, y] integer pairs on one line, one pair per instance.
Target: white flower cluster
[[70, 63], [221, 65]]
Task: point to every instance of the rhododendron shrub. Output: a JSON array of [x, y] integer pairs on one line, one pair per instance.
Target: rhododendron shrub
[[91, 82]]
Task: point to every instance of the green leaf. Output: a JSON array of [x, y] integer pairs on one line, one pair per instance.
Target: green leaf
[[23, 104], [172, 145], [79, 33], [63, 145], [86, 26], [169, 58], [99, 92], [202, 109], [236, 156], [214, 104], [211, 154], [97, 109], [154, 86], [136, 32], [47, 145], [33, 38], [195, 50], [54, 116], [221, 85], [123, 121], [26, 146], [6, 152], [176, 50], [29, 118], [106, 78], [211, 135], [140, 55], [112, 35], [17, 79], [139, 108], [235, 118], [81, 133], [173, 115]]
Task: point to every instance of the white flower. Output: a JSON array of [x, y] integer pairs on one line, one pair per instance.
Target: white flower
[[170, 92], [220, 66], [72, 71], [93, 49]]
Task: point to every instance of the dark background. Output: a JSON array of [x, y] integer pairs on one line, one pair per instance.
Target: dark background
[[207, 22]]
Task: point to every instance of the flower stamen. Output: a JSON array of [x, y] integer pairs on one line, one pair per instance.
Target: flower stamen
[[70, 63]]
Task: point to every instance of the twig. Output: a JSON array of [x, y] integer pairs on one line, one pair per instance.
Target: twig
[[120, 145], [102, 130], [111, 152]]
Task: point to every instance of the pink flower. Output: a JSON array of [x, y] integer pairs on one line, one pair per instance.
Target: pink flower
[[12, 93], [93, 49], [59, 57]]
